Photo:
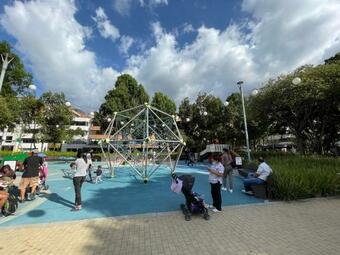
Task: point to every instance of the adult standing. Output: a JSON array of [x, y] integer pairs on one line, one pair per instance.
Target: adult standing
[[81, 166], [215, 179], [89, 162], [227, 161], [30, 176]]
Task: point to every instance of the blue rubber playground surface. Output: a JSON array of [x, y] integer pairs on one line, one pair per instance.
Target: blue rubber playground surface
[[123, 195]]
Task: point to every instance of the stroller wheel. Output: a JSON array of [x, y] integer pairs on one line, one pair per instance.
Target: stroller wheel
[[187, 217], [182, 207], [206, 215]]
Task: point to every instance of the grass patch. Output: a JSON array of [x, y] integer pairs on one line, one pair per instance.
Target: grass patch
[[298, 177]]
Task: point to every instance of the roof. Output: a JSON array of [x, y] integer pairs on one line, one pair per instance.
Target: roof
[[79, 113]]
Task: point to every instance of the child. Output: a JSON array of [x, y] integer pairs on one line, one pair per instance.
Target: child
[[43, 175], [99, 173]]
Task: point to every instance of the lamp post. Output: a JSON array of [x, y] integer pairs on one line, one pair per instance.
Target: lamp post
[[33, 88], [245, 119]]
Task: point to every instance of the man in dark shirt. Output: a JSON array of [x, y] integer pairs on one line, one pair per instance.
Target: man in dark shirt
[[30, 175]]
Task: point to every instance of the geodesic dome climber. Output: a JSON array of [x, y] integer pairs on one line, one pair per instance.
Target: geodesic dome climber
[[142, 138]]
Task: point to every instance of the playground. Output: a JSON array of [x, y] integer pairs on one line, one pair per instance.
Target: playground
[[123, 195]]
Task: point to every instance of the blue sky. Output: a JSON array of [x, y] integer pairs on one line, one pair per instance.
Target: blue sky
[[178, 47]]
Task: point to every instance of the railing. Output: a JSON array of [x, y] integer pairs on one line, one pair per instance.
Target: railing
[[214, 148]]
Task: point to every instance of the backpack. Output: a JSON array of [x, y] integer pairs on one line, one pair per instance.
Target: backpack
[[11, 204]]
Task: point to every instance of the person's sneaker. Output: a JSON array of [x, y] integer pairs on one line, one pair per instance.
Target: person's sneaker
[[250, 193], [31, 197], [231, 191], [223, 188], [75, 208], [21, 201], [215, 210], [211, 207], [79, 207]]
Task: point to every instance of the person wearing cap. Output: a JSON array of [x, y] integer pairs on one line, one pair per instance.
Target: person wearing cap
[[30, 176], [261, 175]]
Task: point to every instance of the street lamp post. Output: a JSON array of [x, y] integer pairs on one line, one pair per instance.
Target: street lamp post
[[33, 88], [245, 119]]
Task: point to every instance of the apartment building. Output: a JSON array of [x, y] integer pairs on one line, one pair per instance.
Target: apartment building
[[21, 137]]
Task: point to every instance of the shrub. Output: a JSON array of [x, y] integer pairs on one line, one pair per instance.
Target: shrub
[[297, 177]]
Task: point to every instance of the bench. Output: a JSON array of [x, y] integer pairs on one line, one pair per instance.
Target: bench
[[264, 191]]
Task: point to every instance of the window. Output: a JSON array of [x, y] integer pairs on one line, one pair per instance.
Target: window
[[80, 123], [9, 139], [28, 140]]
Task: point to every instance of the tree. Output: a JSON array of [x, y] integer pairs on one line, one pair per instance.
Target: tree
[[127, 93], [55, 119], [31, 110], [16, 78], [202, 121], [164, 103], [8, 112], [310, 110]]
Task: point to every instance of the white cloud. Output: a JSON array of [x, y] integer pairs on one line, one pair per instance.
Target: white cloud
[[211, 62], [188, 28], [158, 2], [54, 42], [125, 44], [281, 35], [106, 29], [123, 7]]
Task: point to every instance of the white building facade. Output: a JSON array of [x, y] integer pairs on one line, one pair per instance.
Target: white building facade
[[20, 138]]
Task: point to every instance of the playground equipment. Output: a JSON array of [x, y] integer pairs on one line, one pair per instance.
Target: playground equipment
[[142, 138]]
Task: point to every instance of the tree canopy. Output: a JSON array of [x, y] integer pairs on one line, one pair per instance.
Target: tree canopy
[[127, 93], [164, 103], [17, 79]]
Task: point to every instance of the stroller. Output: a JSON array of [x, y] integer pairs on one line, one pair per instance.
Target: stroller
[[194, 203]]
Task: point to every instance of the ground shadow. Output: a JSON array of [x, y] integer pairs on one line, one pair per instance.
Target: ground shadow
[[55, 198], [36, 213]]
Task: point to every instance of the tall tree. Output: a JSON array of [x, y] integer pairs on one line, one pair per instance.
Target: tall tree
[[127, 93], [164, 103], [17, 79]]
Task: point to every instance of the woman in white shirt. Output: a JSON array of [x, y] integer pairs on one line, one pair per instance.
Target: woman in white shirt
[[215, 179], [81, 166]]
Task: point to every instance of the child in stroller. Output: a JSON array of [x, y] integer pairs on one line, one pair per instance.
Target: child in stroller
[[194, 202]]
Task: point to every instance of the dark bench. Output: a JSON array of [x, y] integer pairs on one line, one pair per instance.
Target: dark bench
[[244, 172], [264, 191]]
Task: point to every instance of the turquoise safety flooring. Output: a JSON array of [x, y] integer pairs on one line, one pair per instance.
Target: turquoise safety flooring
[[123, 195]]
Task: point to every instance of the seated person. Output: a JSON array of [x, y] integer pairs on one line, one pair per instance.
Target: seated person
[[257, 178], [7, 176]]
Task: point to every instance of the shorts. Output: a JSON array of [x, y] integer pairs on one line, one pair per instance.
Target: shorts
[[31, 181]]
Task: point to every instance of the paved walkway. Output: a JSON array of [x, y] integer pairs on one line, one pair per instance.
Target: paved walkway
[[304, 227]]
